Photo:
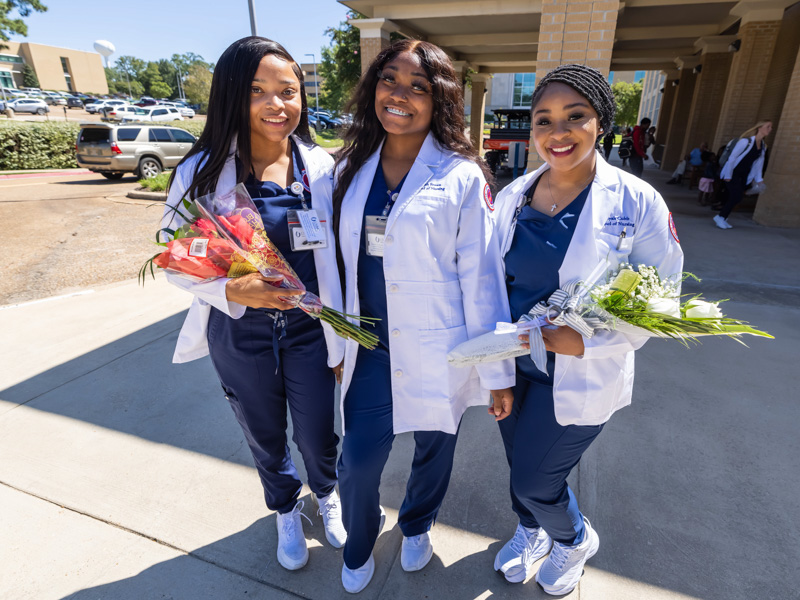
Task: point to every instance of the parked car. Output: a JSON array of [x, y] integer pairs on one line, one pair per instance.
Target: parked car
[[74, 102], [29, 105], [118, 113], [154, 113], [99, 106], [54, 99], [144, 150], [146, 101]]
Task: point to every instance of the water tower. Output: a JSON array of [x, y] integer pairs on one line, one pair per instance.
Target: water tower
[[105, 48]]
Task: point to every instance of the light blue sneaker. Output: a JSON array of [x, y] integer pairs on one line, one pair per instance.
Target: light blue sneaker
[[292, 549], [355, 580], [562, 569], [417, 551], [516, 558]]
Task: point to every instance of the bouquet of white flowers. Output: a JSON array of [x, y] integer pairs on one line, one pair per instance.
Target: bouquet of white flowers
[[631, 300]]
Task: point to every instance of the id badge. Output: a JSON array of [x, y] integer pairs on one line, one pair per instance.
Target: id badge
[[305, 230], [375, 227]]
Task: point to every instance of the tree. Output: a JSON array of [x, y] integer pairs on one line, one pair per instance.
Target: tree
[[8, 25], [29, 78], [197, 86], [153, 83], [130, 65], [627, 97], [341, 64]]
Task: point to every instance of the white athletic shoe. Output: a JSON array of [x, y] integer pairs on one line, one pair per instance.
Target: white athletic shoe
[[417, 551], [292, 550], [721, 223], [355, 580], [727, 224], [562, 569], [331, 512], [516, 558]]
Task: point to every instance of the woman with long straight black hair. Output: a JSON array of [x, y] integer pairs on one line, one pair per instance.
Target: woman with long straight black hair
[[265, 351], [416, 237]]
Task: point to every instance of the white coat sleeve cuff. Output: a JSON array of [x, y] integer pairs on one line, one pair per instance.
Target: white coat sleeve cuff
[[210, 292], [498, 375], [604, 344]]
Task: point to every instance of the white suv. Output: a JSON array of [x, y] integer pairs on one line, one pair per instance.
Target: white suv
[[154, 113], [29, 105], [99, 106]]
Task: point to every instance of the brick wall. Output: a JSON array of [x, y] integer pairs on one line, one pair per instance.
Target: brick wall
[[748, 75], [574, 31], [709, 92], [780, 71], [370, 48], [779, 205], [665, 114]]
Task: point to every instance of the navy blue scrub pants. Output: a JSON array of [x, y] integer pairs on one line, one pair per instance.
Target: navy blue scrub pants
[[262, 365], [368, 437], [541, 453]]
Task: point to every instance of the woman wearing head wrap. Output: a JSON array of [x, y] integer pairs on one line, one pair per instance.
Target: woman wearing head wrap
[[555, 225]]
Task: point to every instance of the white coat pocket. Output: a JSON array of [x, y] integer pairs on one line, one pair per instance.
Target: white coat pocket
[[438, 381]]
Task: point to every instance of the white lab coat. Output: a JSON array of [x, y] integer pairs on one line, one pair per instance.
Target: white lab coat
[[587, 390], [740, 150], [444, 285], [192, 341]]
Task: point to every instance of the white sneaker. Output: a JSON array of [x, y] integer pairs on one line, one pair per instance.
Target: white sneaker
[[417, 551], [562, 569], [721, 223], [355, 580], [331, 513], [292, 550], [727, 225], [516, 558]]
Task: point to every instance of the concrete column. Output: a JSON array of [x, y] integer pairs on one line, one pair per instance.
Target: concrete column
[[574, 31], [779, 205], [478, 107], [709, 91], [749, 70], [667, 102], [374, 38], [679, 120]]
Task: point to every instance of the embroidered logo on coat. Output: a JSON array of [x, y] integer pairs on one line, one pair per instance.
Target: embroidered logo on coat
[[672, 229], [306, 184], [487, 197]]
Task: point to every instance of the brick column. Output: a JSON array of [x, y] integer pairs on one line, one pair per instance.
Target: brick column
[[779, 204], [374, 38], [709, 91], [574, 31], [748, 75], [679, 120], [667, 102], [478, 107]]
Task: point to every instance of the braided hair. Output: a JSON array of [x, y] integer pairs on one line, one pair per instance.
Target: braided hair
[[589, 83]]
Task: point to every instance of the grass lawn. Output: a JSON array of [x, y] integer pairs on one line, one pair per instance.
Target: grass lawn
[[157, 183], [329, 138]]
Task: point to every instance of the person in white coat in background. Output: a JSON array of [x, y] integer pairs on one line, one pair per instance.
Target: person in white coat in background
[[419, 253], [744, 166], [556, 225], [266, 352]]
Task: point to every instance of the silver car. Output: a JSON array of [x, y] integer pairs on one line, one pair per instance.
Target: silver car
[[144, 150], [29, 105]]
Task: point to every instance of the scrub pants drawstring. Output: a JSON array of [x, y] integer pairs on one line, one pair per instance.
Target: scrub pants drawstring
[[280, 321]]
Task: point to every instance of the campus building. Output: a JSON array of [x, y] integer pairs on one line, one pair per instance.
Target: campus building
[[59, 69], [313, 81], [726, 63]]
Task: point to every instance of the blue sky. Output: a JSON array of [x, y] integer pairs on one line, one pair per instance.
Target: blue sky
[[154, 29]]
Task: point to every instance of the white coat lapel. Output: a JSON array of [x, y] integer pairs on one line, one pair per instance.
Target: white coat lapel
[[355, 200], [421, 171]]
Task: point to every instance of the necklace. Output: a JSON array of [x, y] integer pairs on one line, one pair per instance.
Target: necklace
[[550, 191]]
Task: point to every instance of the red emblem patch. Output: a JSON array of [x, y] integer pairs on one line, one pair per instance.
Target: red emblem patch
[[672, 229], [306, 184], [487, 197]]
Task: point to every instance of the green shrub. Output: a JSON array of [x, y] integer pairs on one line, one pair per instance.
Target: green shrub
[[157, 183], [27, 145]]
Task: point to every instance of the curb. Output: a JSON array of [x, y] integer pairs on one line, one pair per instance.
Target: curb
[[153, 196]]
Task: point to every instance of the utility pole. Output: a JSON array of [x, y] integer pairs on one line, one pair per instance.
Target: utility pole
[[316, 82], [253, 30]]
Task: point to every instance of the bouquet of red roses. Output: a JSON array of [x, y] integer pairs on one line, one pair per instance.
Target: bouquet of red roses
[[225, 237]]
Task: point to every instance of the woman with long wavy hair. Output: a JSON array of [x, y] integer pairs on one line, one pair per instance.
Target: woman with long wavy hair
[[418, 251], [265, 352]]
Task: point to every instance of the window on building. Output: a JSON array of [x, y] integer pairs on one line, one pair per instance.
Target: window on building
[[11, 58], [523, 89], [67, 74], [6, 80]]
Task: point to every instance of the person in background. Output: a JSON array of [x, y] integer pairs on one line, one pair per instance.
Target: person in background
[[640, 142], [708, 181], [744, 166], [697, 160], [266, 353], [677, 174], [419, 253], [554, 226], [608, 143], [627, 134]]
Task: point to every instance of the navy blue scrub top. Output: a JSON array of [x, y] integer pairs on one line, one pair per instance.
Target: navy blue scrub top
[[532, 263], [371, 281], [272, 202]]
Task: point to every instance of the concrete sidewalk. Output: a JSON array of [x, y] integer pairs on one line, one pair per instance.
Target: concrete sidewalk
[[126, 477]]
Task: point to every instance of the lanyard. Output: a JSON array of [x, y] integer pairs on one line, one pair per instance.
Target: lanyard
[[393, 194]]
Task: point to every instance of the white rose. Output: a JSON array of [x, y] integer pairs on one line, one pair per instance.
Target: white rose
[[700, 309], [664, 306]]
